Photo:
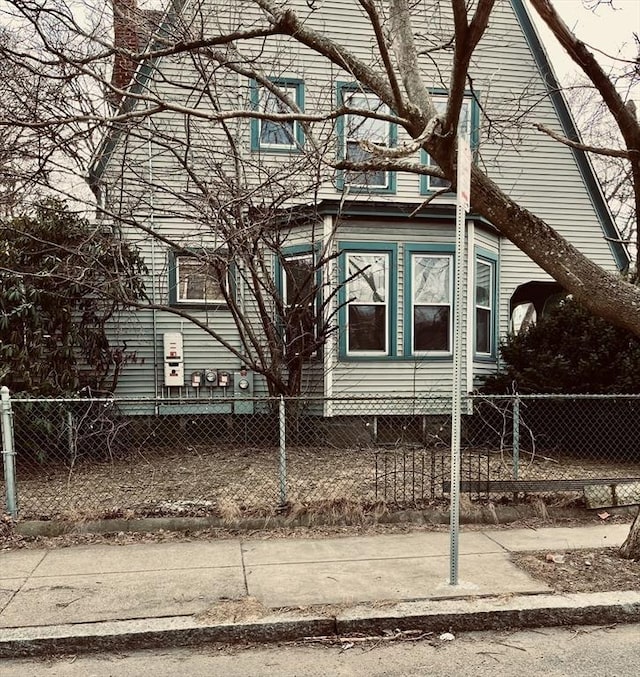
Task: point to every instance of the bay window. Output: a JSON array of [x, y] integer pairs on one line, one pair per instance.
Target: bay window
[[431, 280], [367, 302]]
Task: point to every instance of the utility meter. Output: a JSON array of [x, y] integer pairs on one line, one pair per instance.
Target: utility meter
[[241, 380], [173, 359], [196, 379], [211, 377], [223, 379]]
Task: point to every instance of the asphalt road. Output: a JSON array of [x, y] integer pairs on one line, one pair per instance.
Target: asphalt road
[[551, 652]]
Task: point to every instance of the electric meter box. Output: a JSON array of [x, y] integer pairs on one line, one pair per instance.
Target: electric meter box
[[243, 388], [173, 359]]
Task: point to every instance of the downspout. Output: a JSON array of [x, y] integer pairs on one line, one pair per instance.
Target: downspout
[[154, 312]]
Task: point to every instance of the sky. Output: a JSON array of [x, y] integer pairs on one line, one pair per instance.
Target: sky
[[608, 27]]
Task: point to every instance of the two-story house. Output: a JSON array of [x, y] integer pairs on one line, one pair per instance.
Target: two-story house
[[225, 169]]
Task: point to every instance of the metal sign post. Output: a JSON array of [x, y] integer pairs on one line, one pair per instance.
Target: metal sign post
[[462, 207]]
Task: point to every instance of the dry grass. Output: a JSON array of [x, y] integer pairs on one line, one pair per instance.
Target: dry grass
[[233, 611], [237, 481]]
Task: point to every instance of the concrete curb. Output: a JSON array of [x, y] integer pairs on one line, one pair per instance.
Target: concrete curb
[[457, 615], [481, 515]]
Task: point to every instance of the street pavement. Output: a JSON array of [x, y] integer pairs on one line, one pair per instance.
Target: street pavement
[[112, 596]]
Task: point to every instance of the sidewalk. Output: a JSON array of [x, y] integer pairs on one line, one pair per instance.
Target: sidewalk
[[99, 596]]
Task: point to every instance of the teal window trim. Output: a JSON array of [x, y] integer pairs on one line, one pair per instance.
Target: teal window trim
[[294, 251], [474, 140], [341, 183], [173, 279], [391, 249], [486, 257], [256, 123], [427, 248]]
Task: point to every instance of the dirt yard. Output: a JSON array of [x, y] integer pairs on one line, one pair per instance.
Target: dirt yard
[[582, 570], [249, 480]]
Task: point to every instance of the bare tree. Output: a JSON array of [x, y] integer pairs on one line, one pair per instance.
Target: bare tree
[[394, 75], [253, 40], [598, 129]]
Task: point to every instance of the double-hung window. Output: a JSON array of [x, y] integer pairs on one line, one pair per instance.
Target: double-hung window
[[430, 295], [273, 134], [432, 183], [367, 288], [194, 280], [370, 127], [484, 307], [299, 297]]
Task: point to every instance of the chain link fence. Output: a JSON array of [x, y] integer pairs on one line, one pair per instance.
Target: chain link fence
[[97, 458]]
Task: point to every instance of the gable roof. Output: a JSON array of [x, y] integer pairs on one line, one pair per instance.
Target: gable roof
[[141, 77], [609, 227], [610, 230]]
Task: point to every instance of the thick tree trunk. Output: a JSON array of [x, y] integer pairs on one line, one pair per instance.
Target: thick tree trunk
[[603, 293], [630, 549]]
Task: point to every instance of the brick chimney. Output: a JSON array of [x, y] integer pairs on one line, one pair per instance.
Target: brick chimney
[[126, 35]]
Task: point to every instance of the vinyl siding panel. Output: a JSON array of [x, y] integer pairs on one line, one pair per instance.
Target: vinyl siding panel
[[148, 178]]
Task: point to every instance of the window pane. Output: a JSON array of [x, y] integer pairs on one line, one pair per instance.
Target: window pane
[[431, 276], [483, 284], [431, 328], [369, 283], [376, 178], [361, 128], [197, 280], [464, 130], [367, 328], [298, 274], [275, 133], [483, 330]]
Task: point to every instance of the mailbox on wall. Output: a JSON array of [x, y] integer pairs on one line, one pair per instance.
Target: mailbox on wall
[[173, 359]]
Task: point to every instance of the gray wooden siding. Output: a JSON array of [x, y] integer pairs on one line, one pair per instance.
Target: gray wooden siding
[[147, 180]]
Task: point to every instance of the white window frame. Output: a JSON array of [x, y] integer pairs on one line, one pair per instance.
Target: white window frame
[[490, 309], [448, 304], [351, 121], [355, 303], [265, 96], [183, 299]]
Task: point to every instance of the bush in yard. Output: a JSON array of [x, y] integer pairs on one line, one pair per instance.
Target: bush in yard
[[567, 352], [62, 278]]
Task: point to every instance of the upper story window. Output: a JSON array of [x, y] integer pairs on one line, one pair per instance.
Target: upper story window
[[367, 288], [277, 135], [431, 302], [195, 281], [355, 128], [465, 130]]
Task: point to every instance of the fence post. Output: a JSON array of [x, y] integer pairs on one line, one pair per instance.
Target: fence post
[[282, 465], [516, 437], [8, 451]]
